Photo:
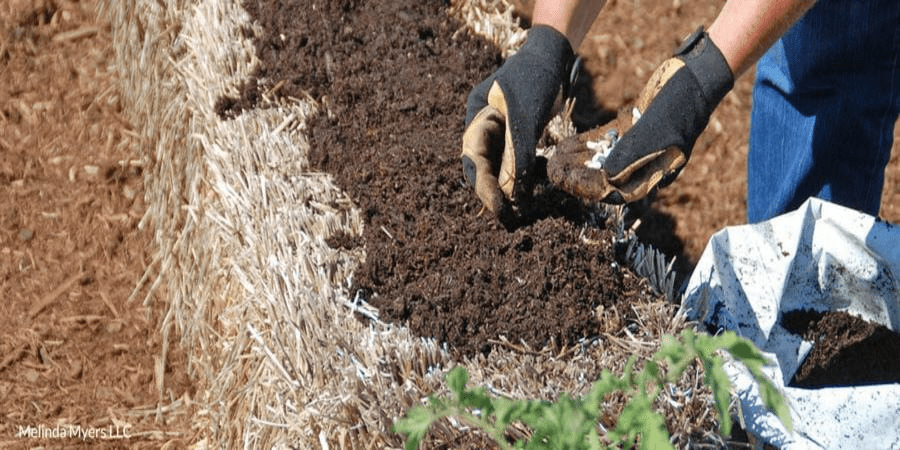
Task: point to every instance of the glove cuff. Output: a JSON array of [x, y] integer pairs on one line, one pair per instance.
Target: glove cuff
[[553, 50], [701, 55], [546, 59]]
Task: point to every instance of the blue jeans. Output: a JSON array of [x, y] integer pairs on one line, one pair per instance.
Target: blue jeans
[[826, 98]]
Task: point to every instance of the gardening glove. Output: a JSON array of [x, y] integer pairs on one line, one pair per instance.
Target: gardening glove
[[506, 115], [675, 107]]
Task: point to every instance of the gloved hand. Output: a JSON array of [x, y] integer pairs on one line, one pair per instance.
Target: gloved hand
[[506, 115], [675, 108]]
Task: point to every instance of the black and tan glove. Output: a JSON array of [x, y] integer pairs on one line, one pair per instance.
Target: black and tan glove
[[675, 108], [506, 115]]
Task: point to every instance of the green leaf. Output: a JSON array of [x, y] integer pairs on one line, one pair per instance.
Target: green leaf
[[571, 423], [651, 370], [775, 402], [476, 398], [654, 434], [718, 381], [745, 351], [679, 355], [414, 426], [533, 413], [436, 403], [671, 349], [508, 411], [457, 379]]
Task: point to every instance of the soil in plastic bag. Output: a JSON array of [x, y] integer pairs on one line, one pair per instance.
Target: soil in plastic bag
[[847, 350]]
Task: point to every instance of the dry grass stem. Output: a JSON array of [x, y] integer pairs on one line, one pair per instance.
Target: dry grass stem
[[48, 299], [13, 356]]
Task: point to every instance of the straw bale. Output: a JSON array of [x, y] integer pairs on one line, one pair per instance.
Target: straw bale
[[492, 20], [261, 303]]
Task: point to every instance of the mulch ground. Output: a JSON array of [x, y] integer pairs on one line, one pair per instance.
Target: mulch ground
[[74, 351]]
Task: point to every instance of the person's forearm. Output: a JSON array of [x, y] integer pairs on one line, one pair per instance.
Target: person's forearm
[[745, 29], [570, 17]]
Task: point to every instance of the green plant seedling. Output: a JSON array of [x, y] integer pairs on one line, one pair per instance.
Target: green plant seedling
[[571, 423]]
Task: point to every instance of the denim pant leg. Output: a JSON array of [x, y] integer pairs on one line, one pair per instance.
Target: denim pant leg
[[826, 98]]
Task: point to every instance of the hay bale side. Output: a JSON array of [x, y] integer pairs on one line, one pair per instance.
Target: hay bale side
[[240, 222], [492, 20], [260, 301]]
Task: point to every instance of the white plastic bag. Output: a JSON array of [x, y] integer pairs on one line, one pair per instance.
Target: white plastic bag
[[822, 257]]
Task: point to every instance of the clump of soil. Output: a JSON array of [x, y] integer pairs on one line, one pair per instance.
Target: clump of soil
[[395, 76], [847, 350]]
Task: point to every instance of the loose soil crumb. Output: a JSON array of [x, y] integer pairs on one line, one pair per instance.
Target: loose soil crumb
[[847, 350], [395, 76]]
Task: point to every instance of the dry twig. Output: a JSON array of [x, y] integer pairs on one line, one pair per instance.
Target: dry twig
[[79, 33], [48, 299]]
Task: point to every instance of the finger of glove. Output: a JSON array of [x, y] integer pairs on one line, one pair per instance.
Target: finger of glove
[[673, 121], [658, 79], [642, 177], [524, 91], [514, 165], [527, 111], [477, 99], [483, 144]]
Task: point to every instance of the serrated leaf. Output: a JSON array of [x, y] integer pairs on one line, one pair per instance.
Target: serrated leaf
[[508, 411], [775, 402], [678, 354], [651, 369], [718, 381], [414, 426], [654, 434], [607, 384], [671, 349], [436, 403], [747, 352], [457, 379], [476, 398]]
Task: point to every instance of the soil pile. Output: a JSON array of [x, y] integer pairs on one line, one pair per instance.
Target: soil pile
[[395, 76], [847, 350]]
